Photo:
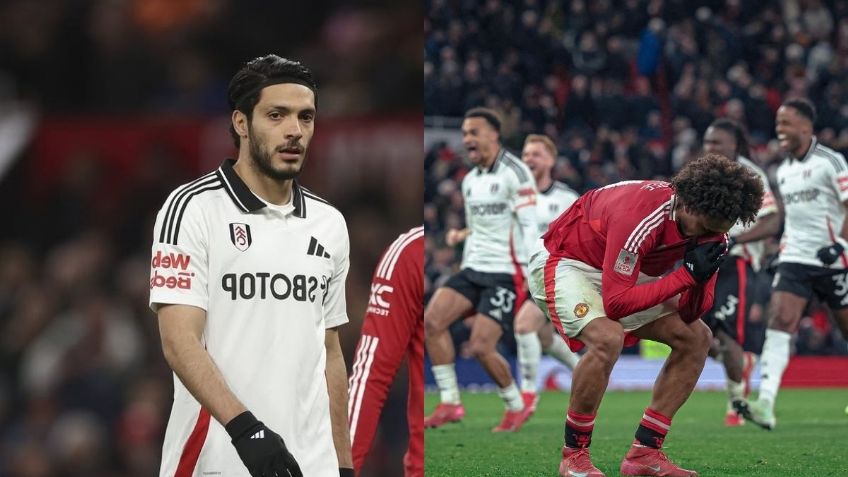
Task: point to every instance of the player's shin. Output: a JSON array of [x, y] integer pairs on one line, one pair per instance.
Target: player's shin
[[445, 375], [529, 354], [775, 358], [511, 397]]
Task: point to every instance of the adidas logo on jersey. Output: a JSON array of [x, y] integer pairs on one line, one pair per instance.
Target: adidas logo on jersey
[[259, 435], [316, 249]]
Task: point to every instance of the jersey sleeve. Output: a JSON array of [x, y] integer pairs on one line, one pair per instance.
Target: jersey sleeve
[[697, 300], [629, 237], [335, 305], [769, 205], [179, 264], [839, 176], [523, 204]]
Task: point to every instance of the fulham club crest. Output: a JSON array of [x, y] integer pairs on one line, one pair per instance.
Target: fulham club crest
[[240, 236]]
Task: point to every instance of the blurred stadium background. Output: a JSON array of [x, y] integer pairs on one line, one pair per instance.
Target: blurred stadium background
[[626, 89], [107, 105]]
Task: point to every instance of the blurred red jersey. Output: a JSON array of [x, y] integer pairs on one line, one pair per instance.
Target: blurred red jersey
[[625, 229], [393, 328]]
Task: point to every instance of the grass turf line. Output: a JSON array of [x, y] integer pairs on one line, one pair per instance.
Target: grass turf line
[[811, 438]]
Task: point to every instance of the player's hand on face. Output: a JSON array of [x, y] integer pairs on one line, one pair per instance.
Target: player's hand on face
[[262, 450], [703, 260]]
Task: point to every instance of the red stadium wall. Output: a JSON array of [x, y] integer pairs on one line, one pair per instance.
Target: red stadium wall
[[816, 372], [343, 149]]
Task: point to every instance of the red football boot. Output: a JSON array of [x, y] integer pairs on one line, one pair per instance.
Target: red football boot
[[512, 421], [643, 460], [577, 463], [443, 414]]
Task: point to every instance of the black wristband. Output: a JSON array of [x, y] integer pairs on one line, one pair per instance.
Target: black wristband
[[241, 424], [345, 472]]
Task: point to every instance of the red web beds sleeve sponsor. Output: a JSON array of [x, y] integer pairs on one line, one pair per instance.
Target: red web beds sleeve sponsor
[[629, 237], [178, 267], [393, 328]]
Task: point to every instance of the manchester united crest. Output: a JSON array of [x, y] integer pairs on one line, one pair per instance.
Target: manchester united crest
[[580, 310]]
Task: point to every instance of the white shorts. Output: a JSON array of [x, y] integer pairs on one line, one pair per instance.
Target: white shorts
[[569, 292]]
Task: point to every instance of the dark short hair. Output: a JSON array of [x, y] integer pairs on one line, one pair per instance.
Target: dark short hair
[[804, 107], [738, 132], [248, 82], [715, 186], [489, 115]]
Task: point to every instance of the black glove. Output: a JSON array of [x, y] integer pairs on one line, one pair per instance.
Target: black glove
[[701, 261], [262, 450], [829, 254], [343, 472]]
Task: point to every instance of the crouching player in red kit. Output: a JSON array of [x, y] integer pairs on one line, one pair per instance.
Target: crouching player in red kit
[[599, 278], [393, 328]]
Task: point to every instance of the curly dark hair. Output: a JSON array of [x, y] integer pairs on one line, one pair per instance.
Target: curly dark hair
[[717, 187]]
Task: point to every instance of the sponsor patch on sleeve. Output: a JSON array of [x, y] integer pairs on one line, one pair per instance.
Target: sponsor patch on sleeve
[[626, 262]]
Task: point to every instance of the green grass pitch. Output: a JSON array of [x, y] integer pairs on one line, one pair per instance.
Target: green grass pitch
[[811, 438]]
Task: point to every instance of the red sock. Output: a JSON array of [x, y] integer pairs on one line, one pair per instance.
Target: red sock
[[652, 429], [578, 429]]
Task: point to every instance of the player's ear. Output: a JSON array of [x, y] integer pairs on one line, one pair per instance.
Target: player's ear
[[239, 120]]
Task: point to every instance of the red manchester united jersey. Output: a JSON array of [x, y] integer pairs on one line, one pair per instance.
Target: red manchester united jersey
[[625, 229], [393, 329]]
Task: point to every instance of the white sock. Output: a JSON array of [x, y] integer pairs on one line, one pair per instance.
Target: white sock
[[735, 390], [511, 397], [529, 354], [560, 351], [774, 359], [445, 375]]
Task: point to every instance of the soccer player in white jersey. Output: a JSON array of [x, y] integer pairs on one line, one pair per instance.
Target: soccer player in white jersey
[[500, 200], [813, 182], [533, 331], [248, 279], [739, 340]]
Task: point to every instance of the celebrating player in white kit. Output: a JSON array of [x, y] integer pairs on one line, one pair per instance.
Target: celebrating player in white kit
[[533, 332], [500, 211], [739, 339], [813, 182]]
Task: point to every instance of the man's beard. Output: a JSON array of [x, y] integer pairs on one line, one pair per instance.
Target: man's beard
[[262, 158]]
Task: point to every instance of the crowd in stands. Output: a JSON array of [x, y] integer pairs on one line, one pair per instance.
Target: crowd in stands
[[177, 56], [626, 88]]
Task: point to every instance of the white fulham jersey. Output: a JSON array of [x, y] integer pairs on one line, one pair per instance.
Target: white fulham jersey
[[813, 189], [272, 280], [496, 199], [753, 251], [552, 202]]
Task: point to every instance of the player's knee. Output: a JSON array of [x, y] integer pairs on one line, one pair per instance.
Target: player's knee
[[702, 337], [782, 320], [608, 345], [693, 339], [432, 323], [479, 348], [523, 327]]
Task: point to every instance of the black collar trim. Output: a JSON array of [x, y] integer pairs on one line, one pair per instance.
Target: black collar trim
[[247, 200]]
